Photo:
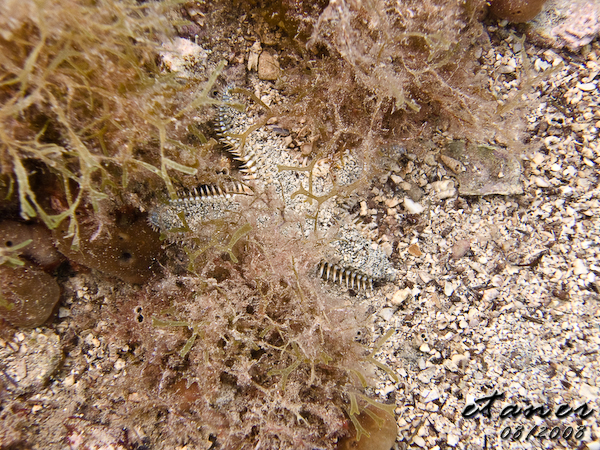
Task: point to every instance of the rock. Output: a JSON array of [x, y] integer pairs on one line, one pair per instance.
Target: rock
[[429, 395], [386, 313], [567, 23], [268, 67], [488, 170], [181, 55], [253, 55], [414, 250], [400, 296], [444, 189], [41, 360], [460, 248], [452, 440]]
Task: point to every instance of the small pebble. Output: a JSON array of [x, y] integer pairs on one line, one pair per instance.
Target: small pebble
[[400, 296], [586, 86], [419, 441], [413, 207], [430, 395], [579, 267], [386, 314], [452, 440], [413, 249]]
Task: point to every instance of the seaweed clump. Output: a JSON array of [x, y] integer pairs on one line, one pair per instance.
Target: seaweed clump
[[86, 114], [247, 353], [362, 72]]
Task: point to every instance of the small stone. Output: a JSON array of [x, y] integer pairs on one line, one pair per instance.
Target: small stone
[[538, 158], [586, 86], [21, 370], [363, 209], [452, 440], [429, 395], [400, 296], [387, 248], [178, 53], [589, 392], [268, 67], [506, 69], [444, 189], [306, 148], [396, 179], [119, 364], [425, 348], [392, 202], [413, 207], [429, 160], [425, 277], [413, 249], [541, 65], [579, 267], [460, 360], [442, 324], [541, 182], [69, 381], [36, 408], [419, 441], [448, 288], [255, 51], [386, 313], [460, 248], [428, 373], [569, 171]]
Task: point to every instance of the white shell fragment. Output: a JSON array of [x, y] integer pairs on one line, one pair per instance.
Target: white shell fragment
[[413, 207]]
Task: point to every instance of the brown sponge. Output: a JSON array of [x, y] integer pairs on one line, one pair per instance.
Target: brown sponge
[[27, 295], [516, 10]]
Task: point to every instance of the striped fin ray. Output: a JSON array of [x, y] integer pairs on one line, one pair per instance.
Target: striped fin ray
[[212, 191], [344, 277], [223, 126]]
